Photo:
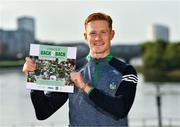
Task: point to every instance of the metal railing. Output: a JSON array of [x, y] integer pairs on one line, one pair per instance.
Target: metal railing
[[153, 122], [139, 122]]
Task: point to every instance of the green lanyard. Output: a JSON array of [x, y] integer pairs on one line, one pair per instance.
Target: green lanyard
[[108, 57], [96, 75]]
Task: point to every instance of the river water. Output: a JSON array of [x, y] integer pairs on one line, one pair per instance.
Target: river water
[[16, 109]]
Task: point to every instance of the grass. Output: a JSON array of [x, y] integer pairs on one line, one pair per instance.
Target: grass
[[175, 73], [155, 75], [11, 63]]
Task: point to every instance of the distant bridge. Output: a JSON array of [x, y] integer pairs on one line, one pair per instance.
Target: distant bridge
[[126, 52]]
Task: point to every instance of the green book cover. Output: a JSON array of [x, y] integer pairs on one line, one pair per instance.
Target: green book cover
[[53, 67]]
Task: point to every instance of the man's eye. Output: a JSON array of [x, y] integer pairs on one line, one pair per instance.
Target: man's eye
[[92, 33], [104, 32]]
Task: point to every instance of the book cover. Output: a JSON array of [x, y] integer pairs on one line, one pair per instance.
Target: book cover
[[53, 67]]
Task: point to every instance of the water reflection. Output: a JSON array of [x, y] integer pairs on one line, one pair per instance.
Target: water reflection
[[16, 108]]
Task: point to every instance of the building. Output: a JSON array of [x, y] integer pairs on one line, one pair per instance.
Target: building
[[15, 44], [27, 24], [158, 32]]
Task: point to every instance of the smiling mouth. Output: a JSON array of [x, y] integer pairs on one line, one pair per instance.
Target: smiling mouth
[[98, 44]]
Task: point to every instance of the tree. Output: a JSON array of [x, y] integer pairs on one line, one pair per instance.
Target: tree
[[172, 56], [153, 55]]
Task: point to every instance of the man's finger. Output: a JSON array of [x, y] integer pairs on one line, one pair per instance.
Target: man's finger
[[75, 81]]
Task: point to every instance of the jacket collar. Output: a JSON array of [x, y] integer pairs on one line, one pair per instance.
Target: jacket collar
[[108, 58]]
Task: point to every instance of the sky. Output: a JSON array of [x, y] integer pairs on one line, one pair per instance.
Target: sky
[[62, 20]]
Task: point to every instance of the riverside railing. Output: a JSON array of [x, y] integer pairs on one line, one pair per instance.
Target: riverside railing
[[153, 122], [139, 122]]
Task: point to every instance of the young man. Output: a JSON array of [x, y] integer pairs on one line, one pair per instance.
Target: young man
[[105, 87]]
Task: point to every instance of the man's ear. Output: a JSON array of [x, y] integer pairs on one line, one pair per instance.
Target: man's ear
[[112, 34], [85, 35]]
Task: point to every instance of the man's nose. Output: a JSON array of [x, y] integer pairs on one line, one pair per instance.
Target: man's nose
[[98, 37]]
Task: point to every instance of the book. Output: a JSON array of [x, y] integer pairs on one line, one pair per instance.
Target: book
[[53, 67]]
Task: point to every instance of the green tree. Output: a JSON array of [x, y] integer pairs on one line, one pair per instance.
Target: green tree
[[153, 55], [172, 56]]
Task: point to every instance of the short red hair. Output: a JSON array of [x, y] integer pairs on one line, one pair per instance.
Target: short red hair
[[98, 16]]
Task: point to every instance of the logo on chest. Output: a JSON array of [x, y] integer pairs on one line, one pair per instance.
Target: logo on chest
[[113, 85]]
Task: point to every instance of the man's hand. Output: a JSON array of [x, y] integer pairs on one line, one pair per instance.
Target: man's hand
[[29, 65], [77, 78]]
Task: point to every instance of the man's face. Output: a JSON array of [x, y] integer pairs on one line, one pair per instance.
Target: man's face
[[99, 36]]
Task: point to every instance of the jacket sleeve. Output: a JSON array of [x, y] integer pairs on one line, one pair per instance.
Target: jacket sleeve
[[46, 104], [119, 105]]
